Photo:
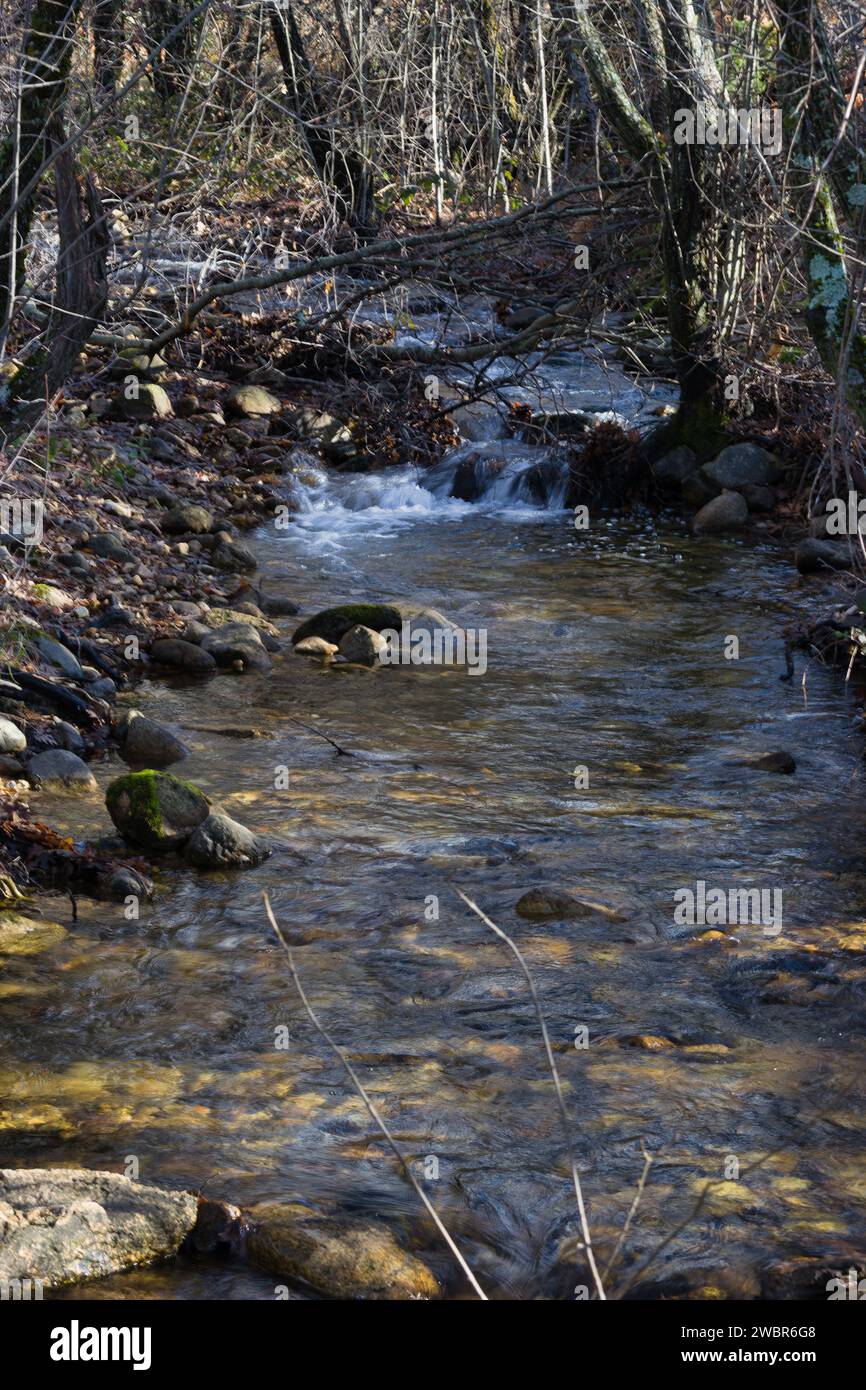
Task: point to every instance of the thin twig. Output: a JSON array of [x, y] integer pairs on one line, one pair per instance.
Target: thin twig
[[632, 1211], [563, 1114], [371, 1109], [343, 752]]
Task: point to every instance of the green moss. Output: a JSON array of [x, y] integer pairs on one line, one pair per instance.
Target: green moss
[[140, 790], [334, 623], [135, 803]]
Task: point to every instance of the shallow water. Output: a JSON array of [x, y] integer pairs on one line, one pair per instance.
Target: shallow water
[[156, 1038]]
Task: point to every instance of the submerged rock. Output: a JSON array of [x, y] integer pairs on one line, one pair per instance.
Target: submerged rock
[[125, 883], [155, 809], [777, 761], [62, 1225], [647, 1042], [222, 843], [338, 1258], [334, 623], [316, 646], [59, 770], [551, 904], [274, 605], [26, 936]]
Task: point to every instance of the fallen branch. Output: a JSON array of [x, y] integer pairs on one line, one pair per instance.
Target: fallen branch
[[446, 237]]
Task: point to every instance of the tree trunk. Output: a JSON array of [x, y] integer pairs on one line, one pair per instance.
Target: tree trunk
[[108, 44], [341, 171], [81, 291], [814, 102], [678, 177], [46, 50]]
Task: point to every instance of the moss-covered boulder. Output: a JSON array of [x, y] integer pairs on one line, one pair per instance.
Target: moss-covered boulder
[[334, 623], [154, 809]]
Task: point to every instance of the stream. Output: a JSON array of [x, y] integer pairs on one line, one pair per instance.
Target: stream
[[155, 1038]]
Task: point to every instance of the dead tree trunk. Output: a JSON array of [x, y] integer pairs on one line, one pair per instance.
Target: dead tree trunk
[[81, 290]]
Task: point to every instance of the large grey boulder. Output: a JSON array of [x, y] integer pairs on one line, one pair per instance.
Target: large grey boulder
[[742, 464], [237, 646], [727, 512], [59, 770], [222, 843], [147, 743], [62, 1225]]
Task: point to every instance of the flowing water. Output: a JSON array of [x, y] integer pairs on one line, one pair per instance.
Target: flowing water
[[156, 1038]]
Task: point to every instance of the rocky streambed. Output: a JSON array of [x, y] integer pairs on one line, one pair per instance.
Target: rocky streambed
[[613, 752]]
